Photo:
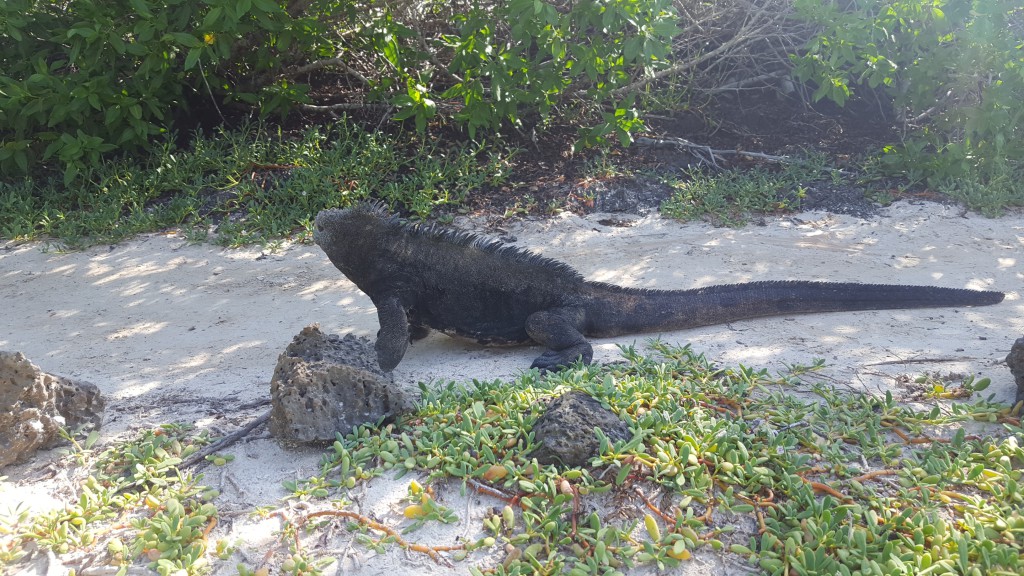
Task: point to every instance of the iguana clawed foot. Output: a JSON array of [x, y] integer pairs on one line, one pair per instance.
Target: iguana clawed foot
[[559, 330], [557, 359]]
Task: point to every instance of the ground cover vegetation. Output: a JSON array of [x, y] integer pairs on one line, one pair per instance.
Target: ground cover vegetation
[[246, 117], [779, 472], [108, 108]]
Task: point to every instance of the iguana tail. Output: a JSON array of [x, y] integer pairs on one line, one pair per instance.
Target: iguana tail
[[613, 310]]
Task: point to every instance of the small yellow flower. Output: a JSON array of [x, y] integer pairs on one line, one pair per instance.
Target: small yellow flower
[[209, 38]]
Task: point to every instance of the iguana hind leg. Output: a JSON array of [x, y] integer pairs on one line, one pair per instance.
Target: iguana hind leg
[[418, 329], [559, 330]]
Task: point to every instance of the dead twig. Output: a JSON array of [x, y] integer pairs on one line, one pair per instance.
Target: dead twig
[[875, 474], [671, 521], [707, 151], [432, 551], [821, 487], [482, 488], [703, 153], [923, 361], [321, 64], [893, 427], [340, 106], [225, 441]]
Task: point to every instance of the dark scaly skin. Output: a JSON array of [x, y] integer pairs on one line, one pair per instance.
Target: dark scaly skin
[[422, 277]]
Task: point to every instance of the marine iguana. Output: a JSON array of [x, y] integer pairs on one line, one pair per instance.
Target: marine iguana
[[423, 276]]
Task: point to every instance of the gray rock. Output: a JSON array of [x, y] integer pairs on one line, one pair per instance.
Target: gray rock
[[1015, 360], [566, 430], [324, 384], [34, 406], [628, 195]]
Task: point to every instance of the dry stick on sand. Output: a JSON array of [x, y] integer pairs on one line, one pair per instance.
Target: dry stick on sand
[[225, 441], [875, 474], [431, 551], [922, 361]]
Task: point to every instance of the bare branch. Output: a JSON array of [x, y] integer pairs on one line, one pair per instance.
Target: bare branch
[[758, 23], [225, 441], [321, 64], [758, 81], [340, 106], [704, 153]]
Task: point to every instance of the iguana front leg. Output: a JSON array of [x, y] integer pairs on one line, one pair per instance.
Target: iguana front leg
[[559, 330], [393, 336]]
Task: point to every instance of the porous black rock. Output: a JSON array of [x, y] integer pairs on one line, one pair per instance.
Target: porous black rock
[[34, 406], [326, 384], [566, 431]]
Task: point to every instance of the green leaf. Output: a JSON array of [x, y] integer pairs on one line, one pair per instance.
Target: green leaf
[[192, 58], [186, 40], [141, 8], [666, 29], [119, 46], [390, 51], [52, 149], [557, 49], [211, 17], [87, 33], [268, 6], [621, 476], [402, 101], [975, 471], [112, 115], [70, 173], [625, 137], [632, 49]]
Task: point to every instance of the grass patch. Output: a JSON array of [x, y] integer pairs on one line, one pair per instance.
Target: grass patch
[[729, 198], [991, 196], [726, 459], [247, 186]]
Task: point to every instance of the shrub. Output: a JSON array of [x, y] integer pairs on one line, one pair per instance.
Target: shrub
[[84, 77], [552, 55], [952, 69]]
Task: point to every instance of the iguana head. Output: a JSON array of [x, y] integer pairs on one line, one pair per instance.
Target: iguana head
[[345, 234]]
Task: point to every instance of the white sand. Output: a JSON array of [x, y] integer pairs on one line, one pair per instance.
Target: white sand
[[177, 332]]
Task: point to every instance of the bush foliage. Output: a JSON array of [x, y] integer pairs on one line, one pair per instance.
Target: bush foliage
[[83, 78], [953, 71]]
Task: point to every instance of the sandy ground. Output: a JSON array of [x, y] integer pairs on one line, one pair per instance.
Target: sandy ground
[[173, 332]]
